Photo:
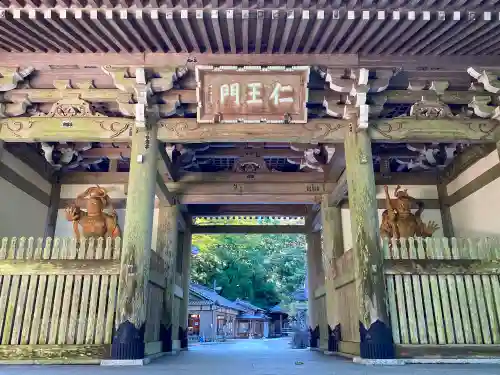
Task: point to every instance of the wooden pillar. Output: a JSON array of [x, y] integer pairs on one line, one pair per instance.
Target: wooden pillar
[[128, 342], [375, 332], [333, 248], [53, 209], [186, 270], [167, 245], [315, 278], [445, 209]]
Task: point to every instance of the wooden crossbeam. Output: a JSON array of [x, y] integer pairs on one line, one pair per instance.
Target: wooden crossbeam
[[165, 165], [163, 192], [250, 229], [187, 130], [248, 209]]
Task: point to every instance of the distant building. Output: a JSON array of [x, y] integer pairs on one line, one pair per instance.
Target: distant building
[[214, 317]]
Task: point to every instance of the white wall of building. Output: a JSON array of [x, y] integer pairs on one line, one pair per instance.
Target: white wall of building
[[21, 214]]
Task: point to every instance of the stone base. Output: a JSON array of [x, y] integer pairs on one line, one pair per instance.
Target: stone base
[[125, 362], [376, 341], [128, 342], [425, 361]]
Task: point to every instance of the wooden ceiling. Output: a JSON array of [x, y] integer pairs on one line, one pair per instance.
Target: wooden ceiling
[[407, 28]]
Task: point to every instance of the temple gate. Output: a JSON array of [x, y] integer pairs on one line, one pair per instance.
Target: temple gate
[[115, 142]]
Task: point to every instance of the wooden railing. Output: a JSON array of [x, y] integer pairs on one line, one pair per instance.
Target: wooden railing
[[57, 297], [443, 291]]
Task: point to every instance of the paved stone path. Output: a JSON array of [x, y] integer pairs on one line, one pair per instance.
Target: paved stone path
[[253, 357]]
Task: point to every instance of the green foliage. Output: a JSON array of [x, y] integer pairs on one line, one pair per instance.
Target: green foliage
[[264, 269]]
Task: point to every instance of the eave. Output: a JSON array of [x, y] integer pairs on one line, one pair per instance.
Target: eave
[[251, 28]]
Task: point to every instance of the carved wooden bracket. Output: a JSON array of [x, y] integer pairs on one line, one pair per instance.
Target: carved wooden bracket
[[250, 164], [489, 80], [356, 84], [10, 77]]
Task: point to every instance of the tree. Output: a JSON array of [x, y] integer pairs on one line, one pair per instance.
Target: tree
[[264, 269]]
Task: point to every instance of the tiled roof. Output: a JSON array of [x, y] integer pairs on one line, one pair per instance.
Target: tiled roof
[[247, 305], [211, 297]]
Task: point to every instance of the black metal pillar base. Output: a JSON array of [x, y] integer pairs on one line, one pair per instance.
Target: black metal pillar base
[[128, 342], [314, 337], [376, 341], [183, 337], [334, 338], [166, 338]]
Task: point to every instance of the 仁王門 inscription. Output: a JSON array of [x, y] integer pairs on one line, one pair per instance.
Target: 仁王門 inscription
[[254, 94]]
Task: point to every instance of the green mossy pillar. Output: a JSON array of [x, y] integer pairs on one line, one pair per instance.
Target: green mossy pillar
[[333, 248], [375, 332], [128, 342], [315, 279], [186, 277], [166, 245]]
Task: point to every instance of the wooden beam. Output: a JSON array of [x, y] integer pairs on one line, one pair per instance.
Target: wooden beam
[[336, 167], [163, 192], [466, 159], [429, 204], [60, 267], [227, 199], [53, 209], [250, 229], [330, 130], [339, 193], [441, 267], [248, 210], [165, 165], [26, 186], [68, 353], [187, 130], [44, 60], [32, 159]]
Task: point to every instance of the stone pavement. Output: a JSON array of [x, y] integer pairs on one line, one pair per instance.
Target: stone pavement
[[253, 357]]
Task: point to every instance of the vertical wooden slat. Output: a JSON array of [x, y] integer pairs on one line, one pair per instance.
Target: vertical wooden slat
[[49, 296], [477, 253], [462, 301], [103, 297], [55, 323], [74, 315], [426, 295], [417, 293], [457, 334], [40, 298], [32, 292], [471, 296], [14, 253], [488, 254], [436, 298], [94, 294], [495, 284], [21, 301], [68, 288], [5, 282], [391, 296], [113, 285], [408, 291], [400, 296], [443, 289], [84, 301]]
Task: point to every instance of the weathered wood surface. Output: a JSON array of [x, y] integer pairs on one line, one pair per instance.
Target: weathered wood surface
[[69, 352], [444, 291], [157, 269], [456, 351], [47, 303], [187, 238], [132, 305], [368, 272], [60, 266], [186, 130]]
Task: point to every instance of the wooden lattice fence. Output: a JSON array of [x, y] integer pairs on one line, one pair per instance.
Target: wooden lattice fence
[[57, 297], [443, 291]]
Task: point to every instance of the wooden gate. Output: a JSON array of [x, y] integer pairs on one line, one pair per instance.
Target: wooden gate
[[443, 292], [58, 298]]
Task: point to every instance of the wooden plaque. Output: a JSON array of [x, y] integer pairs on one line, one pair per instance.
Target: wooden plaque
[[252, 94]]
